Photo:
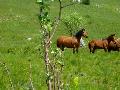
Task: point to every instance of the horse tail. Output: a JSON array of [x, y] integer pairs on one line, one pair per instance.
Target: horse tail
[[58, 43], [91, 46]]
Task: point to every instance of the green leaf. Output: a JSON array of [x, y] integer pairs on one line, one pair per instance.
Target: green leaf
[[76, 80]]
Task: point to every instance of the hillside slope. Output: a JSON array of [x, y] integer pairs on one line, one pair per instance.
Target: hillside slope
[[20, 39]]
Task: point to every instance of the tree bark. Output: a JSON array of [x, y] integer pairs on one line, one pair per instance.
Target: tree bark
[[47, 63]]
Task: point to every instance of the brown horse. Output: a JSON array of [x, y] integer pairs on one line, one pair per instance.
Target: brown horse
[[114, 46], [71, 42], [101, 44]]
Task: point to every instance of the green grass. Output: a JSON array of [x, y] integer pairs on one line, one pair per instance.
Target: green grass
[[19, 21]]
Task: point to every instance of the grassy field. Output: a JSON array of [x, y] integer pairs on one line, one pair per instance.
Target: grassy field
[[19, 22]]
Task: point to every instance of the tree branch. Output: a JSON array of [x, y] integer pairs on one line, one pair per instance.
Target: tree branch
[[56, 21], [59, 18]]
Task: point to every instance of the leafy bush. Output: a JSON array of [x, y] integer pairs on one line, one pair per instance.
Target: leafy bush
[[74, 22]]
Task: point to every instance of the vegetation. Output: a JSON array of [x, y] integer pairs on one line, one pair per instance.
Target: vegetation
[[20, 39]]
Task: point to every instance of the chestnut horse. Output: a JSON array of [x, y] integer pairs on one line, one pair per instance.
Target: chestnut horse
[[101, 44], [114, 46], [71, 41]]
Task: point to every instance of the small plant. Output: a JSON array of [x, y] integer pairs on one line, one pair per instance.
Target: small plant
[[52, 72], [8, 73], [53, 65]]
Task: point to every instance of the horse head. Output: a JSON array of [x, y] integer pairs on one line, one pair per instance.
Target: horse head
[[81, 33], [111, 38]]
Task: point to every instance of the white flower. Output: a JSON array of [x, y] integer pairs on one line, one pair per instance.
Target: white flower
[[67, 84], [57, 49], [29, 39], [18, 16], [52, 52], [97, 5], [43, 32], [79, 0], [76, 0], [50, 41], [60, 53]]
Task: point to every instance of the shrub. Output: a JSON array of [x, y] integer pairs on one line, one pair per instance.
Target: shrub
[[73, 22]]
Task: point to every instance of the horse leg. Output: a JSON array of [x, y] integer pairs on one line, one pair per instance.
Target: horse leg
[[93, 51], [118, 49], [62, 48], [105, 49], [77, 50], [90, 50], [73, 50], [109, 50]]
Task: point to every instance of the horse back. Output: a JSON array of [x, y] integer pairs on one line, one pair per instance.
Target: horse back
[[67, 41], [98, 43]]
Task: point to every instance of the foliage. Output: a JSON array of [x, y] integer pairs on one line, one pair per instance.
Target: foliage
[[43, 16], [74, 22], [53, 80]]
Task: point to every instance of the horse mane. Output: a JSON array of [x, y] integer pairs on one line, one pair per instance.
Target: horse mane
[[108, 37], [79, 33]]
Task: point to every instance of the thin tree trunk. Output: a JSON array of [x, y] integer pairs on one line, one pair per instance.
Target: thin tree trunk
[[58, 80], [54, 78], [47, 62], [47, 38], [47, 68]]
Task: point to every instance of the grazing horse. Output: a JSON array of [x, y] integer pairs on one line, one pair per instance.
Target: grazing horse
[[101, 44], [71, 41], [114, 46]]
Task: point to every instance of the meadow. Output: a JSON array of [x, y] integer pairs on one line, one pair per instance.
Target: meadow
[[20, 37]]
